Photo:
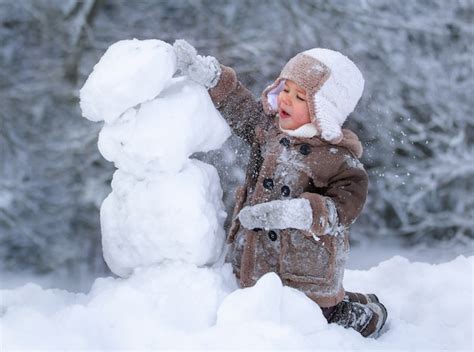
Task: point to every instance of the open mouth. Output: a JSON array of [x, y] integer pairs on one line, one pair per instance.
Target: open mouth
[[284, 114]]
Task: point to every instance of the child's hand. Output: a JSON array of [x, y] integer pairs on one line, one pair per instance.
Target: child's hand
[[204, 70], [185, 54], [278, 214]]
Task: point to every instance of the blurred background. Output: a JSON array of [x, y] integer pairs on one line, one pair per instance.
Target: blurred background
[[415, 118]]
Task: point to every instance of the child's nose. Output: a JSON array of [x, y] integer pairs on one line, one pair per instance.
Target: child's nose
[[286, 99]]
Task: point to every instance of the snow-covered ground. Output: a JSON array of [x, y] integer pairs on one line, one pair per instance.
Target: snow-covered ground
[[180, 306], [162, 230], [370, 252]]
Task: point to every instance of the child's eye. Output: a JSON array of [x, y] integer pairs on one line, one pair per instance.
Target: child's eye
[[300, 98], [286, 90]]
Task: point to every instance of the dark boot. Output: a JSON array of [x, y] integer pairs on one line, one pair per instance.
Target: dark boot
[[367, 319], [356, 297]]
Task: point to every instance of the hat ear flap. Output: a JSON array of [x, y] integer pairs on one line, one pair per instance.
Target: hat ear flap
[[270, 96]]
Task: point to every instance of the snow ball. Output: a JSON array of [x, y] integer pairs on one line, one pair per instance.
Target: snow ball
[[130, 72], [300, 312], [269, 301], [165, 217], [161, 134]]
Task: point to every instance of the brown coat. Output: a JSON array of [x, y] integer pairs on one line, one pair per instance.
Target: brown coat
[[284, 167]]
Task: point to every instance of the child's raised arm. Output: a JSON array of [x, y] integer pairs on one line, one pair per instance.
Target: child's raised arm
[[237, 105]]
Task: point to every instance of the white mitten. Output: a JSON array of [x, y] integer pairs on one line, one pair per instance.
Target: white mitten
[[185, 54], [204, 70], [278, 214]]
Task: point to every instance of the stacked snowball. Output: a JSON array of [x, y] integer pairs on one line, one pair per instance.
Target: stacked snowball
[[164, 206]]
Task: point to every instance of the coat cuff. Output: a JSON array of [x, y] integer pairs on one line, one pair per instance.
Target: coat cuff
[[226, 84]]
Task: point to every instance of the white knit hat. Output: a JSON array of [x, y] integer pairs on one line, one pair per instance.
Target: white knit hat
[[332, 80]]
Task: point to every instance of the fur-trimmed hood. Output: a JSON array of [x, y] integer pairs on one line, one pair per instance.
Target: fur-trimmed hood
[[332, 82]]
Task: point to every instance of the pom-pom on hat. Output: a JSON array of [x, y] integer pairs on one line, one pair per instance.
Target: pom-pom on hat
[[333, 84]]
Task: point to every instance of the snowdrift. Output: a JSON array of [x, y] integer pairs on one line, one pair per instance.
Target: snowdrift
[[181, 306]]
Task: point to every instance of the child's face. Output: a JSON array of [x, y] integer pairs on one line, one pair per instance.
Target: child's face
[[292, 106]]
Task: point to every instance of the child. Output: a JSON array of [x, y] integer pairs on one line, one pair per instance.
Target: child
[[304, 185]]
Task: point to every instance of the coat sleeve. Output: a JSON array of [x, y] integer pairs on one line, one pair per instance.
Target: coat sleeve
[[237, 105], [346, 190]]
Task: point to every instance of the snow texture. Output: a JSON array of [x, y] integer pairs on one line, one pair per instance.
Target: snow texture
[[180, 306], [163, 206], [166, 217], [285, 306], [141, 67], [161, 134]]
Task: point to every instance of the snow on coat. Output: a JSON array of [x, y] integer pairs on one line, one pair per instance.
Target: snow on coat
[[284, 167]]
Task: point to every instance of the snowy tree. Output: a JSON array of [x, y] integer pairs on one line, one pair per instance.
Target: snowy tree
[[51, 178]]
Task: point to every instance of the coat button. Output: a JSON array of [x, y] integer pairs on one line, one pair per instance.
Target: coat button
[[285, 141], [268, 183], [272, 235], [285, 191], [305, 149]]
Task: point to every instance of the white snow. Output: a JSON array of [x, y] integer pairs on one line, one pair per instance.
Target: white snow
[[271, 302], [161, 134], [180, 306], [121, 70], [164, 217], [163, 206]]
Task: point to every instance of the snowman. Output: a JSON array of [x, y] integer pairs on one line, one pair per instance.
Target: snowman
[[164, 205]]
